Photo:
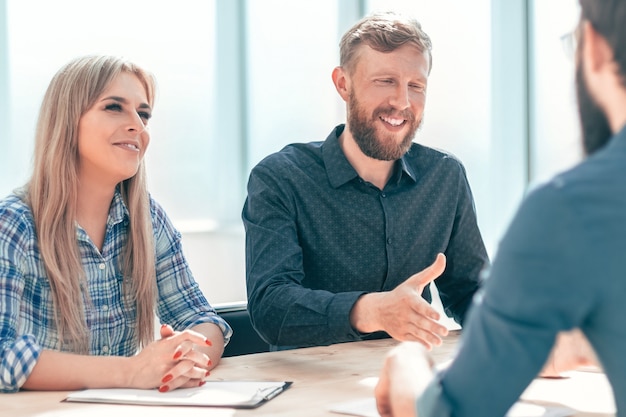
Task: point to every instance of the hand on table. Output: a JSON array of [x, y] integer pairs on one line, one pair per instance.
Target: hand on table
[[571, 351], [172, 362]]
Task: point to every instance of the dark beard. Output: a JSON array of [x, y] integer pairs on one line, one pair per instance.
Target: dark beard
[[364, 132], [595, 128]]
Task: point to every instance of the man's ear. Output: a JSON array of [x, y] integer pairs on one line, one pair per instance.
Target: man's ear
[[340, 79], [597, 54]]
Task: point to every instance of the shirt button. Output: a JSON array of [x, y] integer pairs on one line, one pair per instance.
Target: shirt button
[[383, 195], [102, 266], [105, 349], [105, 308], [389, 241]]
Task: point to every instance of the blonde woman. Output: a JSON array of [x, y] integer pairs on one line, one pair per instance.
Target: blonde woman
[[88, 258]]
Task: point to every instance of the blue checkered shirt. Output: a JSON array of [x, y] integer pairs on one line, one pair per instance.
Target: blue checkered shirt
[[26, 310]]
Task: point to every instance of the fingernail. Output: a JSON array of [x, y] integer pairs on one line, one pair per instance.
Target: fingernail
[[207, 373], [178, 355], [210, 362], [208, 342], [167, 378], [201, 383], [164, 388], [163, 325]]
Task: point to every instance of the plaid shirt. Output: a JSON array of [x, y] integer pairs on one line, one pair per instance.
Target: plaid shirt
[[27, 323]]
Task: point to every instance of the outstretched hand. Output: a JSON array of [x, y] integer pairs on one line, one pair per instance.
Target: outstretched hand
[[403, 313], [172, 362]]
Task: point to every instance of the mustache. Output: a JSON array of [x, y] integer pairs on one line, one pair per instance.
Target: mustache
[[391, 112]]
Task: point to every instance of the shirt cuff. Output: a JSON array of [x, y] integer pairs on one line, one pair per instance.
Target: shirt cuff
[[432, 402], [17, 362], [220, 322]]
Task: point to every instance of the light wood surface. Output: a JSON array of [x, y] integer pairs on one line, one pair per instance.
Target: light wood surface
[[322, 378]]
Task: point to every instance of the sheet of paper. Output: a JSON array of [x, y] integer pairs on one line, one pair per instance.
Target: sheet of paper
[[366, 407], [213, 393]]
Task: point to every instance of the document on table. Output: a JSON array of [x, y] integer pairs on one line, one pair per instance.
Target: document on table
[[231, 394], [366, 407]]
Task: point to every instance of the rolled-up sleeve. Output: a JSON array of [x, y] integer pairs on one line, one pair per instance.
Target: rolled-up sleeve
[[432, 403], [18, 357], [18, 352]]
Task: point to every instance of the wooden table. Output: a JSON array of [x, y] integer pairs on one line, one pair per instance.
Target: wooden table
[[322, 378]]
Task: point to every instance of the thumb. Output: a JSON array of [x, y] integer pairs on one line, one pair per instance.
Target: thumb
[[429, 274], [166, 330]]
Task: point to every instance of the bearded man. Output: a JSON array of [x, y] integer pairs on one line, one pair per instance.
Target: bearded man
[[344, 236]]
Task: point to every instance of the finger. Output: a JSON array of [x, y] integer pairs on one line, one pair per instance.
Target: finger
[[428, 340], [193, 383], [192, 336], [429, 274], [187, 339], [430, 326], [423, 311], [381, 391], [180, 374], [198, 358], [427, 332], [166, 331]]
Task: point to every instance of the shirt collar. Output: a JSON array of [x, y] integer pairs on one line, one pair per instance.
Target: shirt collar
[[340, 171], [118, 211]]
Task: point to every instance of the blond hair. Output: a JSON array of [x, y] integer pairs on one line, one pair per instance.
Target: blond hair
[[52, 195]]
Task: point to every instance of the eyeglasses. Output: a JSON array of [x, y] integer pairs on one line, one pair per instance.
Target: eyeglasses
[[569, 42]]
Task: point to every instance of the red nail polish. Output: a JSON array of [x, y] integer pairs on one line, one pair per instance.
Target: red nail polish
[[208, 342], [178, 355], [210, 362], [207, 373], [201, 383], [167, 378], [164, 388]]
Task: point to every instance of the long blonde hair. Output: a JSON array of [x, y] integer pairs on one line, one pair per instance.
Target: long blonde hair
[[52, 195]]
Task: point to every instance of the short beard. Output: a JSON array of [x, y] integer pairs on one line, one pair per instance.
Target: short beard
[[364, 132], [596, 131]]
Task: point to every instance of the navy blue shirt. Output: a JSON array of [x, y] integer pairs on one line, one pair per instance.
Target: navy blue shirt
[[318, 237]]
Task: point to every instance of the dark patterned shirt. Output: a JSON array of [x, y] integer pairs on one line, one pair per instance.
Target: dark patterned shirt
[[318, 237]]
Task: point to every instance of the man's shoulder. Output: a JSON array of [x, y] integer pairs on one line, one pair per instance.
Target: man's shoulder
[[425, 157], [292, 156], [419, 150]]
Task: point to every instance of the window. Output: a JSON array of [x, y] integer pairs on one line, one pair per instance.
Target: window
[[555, 143], [241, 79]]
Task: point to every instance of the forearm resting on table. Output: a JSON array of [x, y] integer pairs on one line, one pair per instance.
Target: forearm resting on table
[[67, 371]]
